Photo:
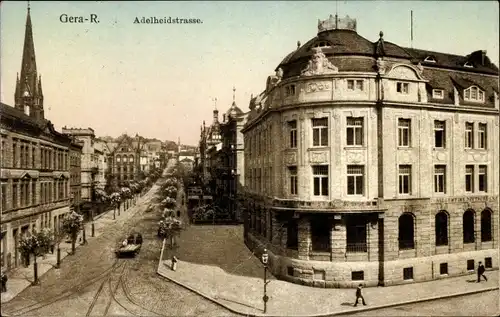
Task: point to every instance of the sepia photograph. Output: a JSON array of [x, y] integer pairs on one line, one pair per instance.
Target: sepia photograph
[[249, 158]]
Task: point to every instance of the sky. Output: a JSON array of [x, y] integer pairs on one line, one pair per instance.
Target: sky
[[160, 80]]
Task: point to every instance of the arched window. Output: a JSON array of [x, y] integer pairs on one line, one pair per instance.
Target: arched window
[[468, 226], [486, 225], [406, 233], [118, 159], [441, 224]]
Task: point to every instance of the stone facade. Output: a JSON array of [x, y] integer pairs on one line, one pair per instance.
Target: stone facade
[[371, 163]]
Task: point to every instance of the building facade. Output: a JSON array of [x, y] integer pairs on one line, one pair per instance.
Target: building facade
[[75, 174], [370, 162], [89, 159], [124, 160], [35, 162]]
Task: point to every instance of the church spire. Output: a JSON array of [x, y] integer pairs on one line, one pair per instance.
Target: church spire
[[28, 89]]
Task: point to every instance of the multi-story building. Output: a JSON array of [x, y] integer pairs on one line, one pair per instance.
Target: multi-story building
[[35, 165], [89, 159], [373, 162], [102, 151], [209, 138], [75, 174], [230, 165], [124, 161]]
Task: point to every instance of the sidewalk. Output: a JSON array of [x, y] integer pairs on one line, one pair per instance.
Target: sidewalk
[[243, 294], [22, 277]]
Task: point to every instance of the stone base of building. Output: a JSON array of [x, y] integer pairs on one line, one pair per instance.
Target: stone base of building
[[329, 274]]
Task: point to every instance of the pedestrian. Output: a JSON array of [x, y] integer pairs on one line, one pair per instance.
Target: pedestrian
[[4, 281], [359, 295], [480, 272]]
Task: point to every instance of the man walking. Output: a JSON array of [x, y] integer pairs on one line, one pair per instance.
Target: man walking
[[480, 272], [359, 295]]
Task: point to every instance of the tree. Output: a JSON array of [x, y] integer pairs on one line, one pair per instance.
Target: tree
[[36, 243], [71, 224], [170, 227]]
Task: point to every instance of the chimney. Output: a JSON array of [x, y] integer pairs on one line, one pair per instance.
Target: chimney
[[483, 56]]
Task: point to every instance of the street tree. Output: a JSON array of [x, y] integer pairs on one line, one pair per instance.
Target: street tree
[[170, 228], [71, 225]]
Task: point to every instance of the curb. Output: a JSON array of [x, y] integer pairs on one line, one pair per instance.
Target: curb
[[428, 299], [339, 313]]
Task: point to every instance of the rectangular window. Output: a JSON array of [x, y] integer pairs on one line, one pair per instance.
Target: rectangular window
[[33, 193], [488, 263], [469, 135], [292, 237], [481, 142], [14, 194], [402, 88], [360, 85], [358, 275], [470, 265], [33, 157], [437, 94], [469, 178], [4, 152], [355, 179], [404, 129], [440, 179], [320, 132], [355, 84], [290, 90], [443, 268], [320, 234], [405, 179], [320, 180], [354, 131], [439, 134], [408, 273], [350, 84], [483, 179], [4, 196], [14, 154], [292, 125], [23, 194], [294, 184]]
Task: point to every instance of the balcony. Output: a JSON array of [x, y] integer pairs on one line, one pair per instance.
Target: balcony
[[356, 247]]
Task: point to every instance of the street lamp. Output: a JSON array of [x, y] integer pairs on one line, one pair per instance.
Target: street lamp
[[265, 298]]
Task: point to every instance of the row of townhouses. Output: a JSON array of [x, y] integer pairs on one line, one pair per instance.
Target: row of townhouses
[[45, 173], [364, 161]]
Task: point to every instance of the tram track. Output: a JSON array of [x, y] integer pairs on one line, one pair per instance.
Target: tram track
[[64, 294]]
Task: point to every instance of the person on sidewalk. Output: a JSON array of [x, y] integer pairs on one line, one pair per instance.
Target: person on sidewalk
[[359, 295], [4, 282], [480, 272]]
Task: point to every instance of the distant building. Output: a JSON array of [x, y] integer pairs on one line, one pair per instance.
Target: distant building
[[75, 182], [34, 161], [373, 163], [124, 162]]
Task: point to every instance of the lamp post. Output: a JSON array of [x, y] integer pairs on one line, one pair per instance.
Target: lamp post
[[265, 298]]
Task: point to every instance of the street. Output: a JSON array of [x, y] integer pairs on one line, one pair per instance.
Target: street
[[95, 283], [482, 304]]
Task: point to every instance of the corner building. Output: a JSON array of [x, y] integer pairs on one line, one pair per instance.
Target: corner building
[[373, 163]]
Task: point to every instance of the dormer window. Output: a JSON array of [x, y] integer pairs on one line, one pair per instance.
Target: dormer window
[[402, 88], [322, 44], [290, 90], [437, 94], [469, 65], [430, 59], [474, 94]]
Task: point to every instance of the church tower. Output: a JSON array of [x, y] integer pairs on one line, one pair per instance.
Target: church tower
[[29, 96]]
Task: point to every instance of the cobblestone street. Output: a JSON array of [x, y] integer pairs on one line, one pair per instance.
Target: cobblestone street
[[84, 284]]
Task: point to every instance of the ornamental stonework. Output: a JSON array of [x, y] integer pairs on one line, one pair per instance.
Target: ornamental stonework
[[317, 86]]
